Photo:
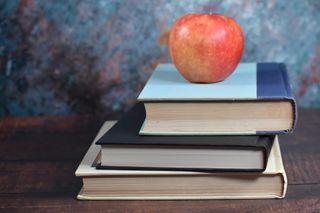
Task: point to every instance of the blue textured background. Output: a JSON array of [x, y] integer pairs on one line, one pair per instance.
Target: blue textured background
[[93, 56]]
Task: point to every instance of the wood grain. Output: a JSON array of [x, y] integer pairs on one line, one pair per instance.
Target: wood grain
[[38, 157]]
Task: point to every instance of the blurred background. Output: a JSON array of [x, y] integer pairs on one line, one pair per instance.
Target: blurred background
[[94, 56]]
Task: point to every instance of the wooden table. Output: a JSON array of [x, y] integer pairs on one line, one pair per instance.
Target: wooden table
[[39, 156]]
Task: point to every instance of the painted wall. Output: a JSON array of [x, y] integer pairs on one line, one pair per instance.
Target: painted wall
[[94, 56]]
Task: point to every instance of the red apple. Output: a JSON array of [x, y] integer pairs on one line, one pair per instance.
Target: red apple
[[206, 48]]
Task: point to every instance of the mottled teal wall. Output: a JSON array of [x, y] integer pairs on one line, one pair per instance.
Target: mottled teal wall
[[93, 56]]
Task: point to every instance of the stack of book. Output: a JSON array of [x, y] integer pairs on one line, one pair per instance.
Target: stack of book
[[196, 141]]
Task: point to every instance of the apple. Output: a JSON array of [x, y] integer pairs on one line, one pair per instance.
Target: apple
[[206, 48]]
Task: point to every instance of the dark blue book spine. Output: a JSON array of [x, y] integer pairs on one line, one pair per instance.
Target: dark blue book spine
[[273, 84]]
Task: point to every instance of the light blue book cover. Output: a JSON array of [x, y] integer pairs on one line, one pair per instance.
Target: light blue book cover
[[166, 84], [249, 81]]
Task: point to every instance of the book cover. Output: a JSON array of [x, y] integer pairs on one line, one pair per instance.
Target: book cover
[[126, 132], [87, 169], [250, 81]]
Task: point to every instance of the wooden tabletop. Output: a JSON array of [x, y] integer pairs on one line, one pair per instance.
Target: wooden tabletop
[[39, 156]]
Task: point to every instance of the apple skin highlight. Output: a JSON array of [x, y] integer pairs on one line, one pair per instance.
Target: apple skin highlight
[[206, 48]]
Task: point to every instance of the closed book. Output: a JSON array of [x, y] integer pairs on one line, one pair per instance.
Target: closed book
[[255, 99], [178, 185], [123, 148]]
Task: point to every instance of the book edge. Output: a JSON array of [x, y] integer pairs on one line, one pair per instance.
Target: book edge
[[153, 133], [85, 168], [279, 166], [81, 196], [93, 149]]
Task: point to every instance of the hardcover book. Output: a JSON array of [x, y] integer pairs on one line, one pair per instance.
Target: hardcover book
[[124, 148], [176, 185], [255, 99]]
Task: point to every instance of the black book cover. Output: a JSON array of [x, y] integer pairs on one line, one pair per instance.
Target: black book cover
[[126, 132]]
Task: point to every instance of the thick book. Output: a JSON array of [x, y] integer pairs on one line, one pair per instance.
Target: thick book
[[255, 99], [177, 185], [124, 148]]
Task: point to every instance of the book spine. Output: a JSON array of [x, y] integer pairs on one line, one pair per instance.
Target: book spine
[[285, 78], [267, 75], [287, 85]]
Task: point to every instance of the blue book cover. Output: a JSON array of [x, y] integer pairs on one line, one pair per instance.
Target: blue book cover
[[249, 82]]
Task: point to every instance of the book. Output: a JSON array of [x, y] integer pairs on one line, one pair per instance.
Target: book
[[123, 148], [255, 99], [177, 185]]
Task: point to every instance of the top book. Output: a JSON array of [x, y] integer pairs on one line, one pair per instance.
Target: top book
[[255, 99]]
